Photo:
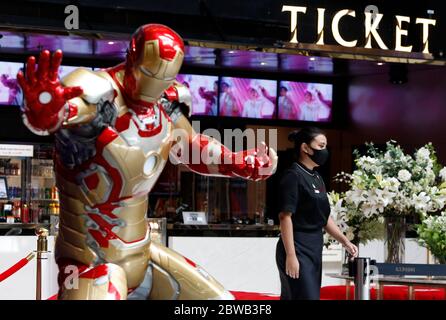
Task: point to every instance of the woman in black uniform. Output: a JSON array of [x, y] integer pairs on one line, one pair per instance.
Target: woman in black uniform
[[304, 212]]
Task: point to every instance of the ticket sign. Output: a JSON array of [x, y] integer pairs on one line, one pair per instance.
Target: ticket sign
[[16, 150], [371, 19]]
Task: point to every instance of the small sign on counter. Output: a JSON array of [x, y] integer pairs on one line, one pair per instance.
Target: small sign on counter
[[16, 150]]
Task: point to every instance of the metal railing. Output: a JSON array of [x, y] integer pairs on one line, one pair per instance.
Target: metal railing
[[364, 270]]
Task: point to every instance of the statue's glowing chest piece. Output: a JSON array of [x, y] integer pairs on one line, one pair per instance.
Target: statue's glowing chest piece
[[140, 151]]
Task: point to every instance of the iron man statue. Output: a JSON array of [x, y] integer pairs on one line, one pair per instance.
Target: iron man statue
[[113, 136]]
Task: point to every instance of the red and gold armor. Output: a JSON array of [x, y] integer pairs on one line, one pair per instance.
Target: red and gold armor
[[113, 131]]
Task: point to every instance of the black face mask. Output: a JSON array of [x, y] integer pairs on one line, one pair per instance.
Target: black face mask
[[319, 156]]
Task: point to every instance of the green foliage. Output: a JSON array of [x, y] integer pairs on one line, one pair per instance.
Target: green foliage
[[432, 235]]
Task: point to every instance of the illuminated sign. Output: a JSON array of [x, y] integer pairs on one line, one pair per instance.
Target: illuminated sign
[[371, 23]]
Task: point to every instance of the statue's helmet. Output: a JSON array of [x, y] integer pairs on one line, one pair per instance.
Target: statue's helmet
[[154, 58]]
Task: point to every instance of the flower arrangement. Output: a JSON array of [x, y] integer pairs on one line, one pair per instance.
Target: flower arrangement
[[432, 235], [388, 183], [357, 228], [391, 182]]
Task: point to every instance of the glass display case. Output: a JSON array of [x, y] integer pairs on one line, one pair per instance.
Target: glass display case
[[225, 200], [31, 197], [11, 202]]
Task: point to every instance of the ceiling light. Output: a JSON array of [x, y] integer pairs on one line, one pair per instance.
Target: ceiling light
[[262, 63], [312, 58], [110, 42], [380, 63]]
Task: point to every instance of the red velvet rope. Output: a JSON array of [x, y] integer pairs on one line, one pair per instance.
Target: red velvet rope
[[19, 265]]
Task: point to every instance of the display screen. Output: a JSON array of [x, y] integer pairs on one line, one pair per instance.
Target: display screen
[[204, 90], [247, 98], [305, 101], [64, 70], [10, 92], [3, 188]]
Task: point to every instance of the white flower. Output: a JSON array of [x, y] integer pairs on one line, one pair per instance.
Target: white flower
[[369, 210], [404, 175], [368, 163], [423, 154], [387, 156], [355, 196], [420, 201], [393, 183], [443, 174]]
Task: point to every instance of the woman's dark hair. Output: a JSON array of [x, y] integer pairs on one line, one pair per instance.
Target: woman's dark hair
[[305, 135], [283, 88]]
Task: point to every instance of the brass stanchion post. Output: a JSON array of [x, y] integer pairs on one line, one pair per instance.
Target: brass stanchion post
[[42, 247]]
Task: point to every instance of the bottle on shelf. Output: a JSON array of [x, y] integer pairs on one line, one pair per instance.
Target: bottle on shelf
[[48, 193], [54, 193], [2, 213], [25, 214], [35, 210], [17, 212], [41, 193]]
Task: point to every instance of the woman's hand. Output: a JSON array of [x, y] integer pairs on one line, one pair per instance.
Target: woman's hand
[[351, 248], [292, 266]]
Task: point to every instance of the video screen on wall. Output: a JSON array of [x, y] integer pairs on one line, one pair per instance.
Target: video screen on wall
[[204, 92], [10, 92], [305, 101], [247, 98], [64, 70]]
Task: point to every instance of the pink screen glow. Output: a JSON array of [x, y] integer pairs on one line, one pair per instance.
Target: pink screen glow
[[64, 70], [247, 98], [305, 101], [204, 93], [10, 92]]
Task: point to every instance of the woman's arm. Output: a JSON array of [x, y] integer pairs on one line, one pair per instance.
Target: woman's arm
[[333, 230], [286, 231]]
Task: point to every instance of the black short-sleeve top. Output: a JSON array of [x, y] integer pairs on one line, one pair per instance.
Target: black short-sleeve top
[[302, 192]]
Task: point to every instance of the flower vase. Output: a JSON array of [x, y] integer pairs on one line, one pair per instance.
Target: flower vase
[[394, 244]]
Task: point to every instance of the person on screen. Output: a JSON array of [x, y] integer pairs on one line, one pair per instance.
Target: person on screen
[[195, 103], [267, 104], [210, 96], [13, 87], [287, 109], [326, 105], [228, 104], [267, 95], [312, 108], [252, 106]]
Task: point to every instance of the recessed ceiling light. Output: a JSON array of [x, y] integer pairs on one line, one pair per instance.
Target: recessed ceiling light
[[110, 42], [312, 58], [230, 51], [262, 63]]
